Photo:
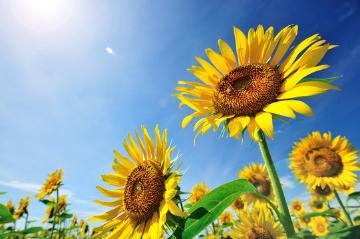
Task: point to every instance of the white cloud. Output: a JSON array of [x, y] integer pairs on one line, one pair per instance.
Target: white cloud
[[110, 51], [28, 187], [287, 182]]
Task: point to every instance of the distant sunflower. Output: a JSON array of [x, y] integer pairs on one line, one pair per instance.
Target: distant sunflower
[[238, 205], [256, 83], [226, 217], [260, 224], [198, 191], [49, 213], [317, 205], [259, 177], [51, 184], [297, 208], [146, 185], [10, 206], [319, 160], [319, 226], [23, 205], [324, 194]]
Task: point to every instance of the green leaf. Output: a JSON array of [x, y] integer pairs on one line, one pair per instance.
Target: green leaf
[[354, 196], [47, 202], [5, 215], [65, 215], [325, 80], [328, 212], [347, 233], [2, 193], [209, 208], [31, 230]]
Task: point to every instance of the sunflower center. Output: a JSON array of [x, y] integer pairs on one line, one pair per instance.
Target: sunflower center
[[297, 207], [323, 191], [262, 184], [323, 162], [239, 204], [259, 233], [246, 90], [321, 228], [144, 191]]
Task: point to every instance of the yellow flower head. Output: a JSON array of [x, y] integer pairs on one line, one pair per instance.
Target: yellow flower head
[[258, 82], [297, 208], [226, 217], [84, 228], [317, 204], [238, 205], [146, 187], [324, 194], [10, 206], [73, 221], [319, 160], [259, 177], [51, 184], [260, 224], [198, 191], [62, 204], [23, 205], [49, 213], [319, 226], [339, 214]]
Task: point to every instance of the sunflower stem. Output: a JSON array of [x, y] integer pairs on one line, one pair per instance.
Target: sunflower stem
[[348, 218], [284, 216], [55, 213]]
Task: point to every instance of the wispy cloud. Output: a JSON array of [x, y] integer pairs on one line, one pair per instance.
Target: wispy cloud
[[287, 182]]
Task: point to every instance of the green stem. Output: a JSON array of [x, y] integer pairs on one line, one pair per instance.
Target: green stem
[[55, 213], [348, 218], [284, 216]]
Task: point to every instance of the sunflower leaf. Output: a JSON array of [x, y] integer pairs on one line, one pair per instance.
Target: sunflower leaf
[[325, 80], [5, 215], [354, 196], [31, 230], [209, 208], [328, 212]]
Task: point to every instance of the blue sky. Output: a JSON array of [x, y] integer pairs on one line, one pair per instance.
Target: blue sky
[[65, 102]]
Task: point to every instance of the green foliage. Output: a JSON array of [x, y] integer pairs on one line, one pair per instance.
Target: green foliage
[[354, 196], [2, 193], [31, 230], [328, 212], [5, 215], [209, 208]]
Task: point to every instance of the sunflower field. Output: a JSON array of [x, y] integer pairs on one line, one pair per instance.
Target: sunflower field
[[260, 76]]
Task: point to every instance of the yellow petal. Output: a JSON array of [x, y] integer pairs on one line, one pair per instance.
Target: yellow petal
[[253, 128], [118, 193], [235, 127], [307, 89], [287, 36], [241, 46], [217, 60], [175, 210], [114, 179], [124, 160], [208, 68], [203, 75], [280, 108], [264, 121], [227, 53], [292, 80], [107, 215], [299, 107], [110, 204]]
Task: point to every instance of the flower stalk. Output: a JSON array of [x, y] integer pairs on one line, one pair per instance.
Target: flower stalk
[[284, 216], [55, 213], [347, 216]]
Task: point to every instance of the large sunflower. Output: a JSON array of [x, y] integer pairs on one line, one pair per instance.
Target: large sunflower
[[51, 184], [260, 224], [257, 83], [259, 177], [146, 185], [319, 160]]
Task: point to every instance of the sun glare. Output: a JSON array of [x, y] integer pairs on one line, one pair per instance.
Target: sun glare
[[43, 16]]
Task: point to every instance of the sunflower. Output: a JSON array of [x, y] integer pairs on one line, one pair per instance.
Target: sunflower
[[260, 224], [339, 214], [49, 213], [23, 205], [238, 205], [147, 185], [259, 177], [317, 204], [319, 226], [73, 221], [324, 194], [226, 217], [51, 184], [10, 206], [198, 191], [297, 208], [319, 160], [83, 228], [257, 83]]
